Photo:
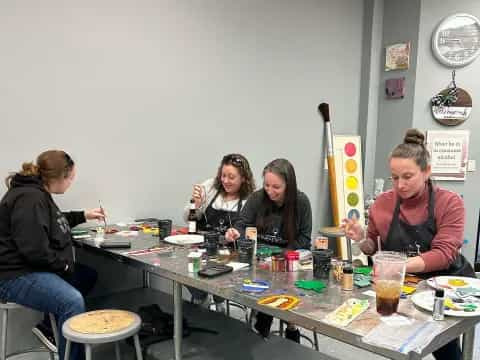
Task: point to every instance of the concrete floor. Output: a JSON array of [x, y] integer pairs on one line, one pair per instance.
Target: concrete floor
[[197, 345]]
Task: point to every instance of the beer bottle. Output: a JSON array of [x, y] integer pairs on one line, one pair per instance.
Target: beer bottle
[[192, 218]]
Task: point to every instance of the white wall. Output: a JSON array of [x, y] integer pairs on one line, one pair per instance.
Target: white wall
[[147, 96]]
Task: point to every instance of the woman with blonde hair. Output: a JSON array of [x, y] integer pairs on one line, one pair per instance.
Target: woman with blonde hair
[[37, 267]]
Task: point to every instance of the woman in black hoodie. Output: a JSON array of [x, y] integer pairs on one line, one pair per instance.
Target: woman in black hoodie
[[37, 267]]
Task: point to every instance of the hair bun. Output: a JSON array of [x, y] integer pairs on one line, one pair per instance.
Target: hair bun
[[29, 169], [414, 136]]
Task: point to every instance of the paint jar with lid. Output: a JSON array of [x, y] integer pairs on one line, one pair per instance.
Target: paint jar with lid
[[347, 280], [322, 263], [278, 263], [293, 260], [245, 251], [211, 243], [321, 242], [194, 261]]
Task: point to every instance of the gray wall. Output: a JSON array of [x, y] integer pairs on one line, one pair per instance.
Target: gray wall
[[415, 21], [433, 77], [148, 95], [370, 87], [400, 24]]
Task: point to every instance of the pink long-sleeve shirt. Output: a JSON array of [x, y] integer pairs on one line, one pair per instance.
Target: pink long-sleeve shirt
[[449, 219]]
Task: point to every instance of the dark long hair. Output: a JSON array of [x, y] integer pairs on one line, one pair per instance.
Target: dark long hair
[[50, 165], [284, 169], [240, 162]]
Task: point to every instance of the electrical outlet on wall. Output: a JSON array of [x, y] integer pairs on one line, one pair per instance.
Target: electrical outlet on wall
[[471, 165]]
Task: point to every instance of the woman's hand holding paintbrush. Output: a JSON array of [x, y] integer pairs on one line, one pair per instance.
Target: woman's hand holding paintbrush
[[97, 214], [353, 230]]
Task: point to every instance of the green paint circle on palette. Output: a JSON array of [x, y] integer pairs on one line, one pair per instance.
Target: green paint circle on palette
[[354, 214], [352, 199], [350, 149], [350, 166], [352, 182]]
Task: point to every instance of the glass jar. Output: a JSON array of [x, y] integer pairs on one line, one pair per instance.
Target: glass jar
[[293, 261]]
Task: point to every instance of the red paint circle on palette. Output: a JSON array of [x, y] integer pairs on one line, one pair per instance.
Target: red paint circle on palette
[[350, 149]]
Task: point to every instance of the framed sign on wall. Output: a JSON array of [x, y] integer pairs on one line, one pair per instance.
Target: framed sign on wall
[[449, 153]]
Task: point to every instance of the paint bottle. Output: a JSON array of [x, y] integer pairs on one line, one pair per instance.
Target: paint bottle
[[192, 218], [438, 304], [293, 260], [347, 279], [278, 263]]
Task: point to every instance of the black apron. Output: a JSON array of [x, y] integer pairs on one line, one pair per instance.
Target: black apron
[[218, 220], [416, 239]]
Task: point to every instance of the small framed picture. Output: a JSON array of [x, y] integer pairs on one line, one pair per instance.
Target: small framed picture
[[397, 57]]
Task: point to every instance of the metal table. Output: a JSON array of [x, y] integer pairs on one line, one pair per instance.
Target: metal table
[[308, 314]]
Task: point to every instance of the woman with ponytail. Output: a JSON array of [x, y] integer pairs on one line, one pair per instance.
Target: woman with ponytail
[[418, 218], [37, 267]]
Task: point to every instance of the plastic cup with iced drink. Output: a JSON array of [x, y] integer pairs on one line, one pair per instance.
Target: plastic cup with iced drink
[[389, 273]]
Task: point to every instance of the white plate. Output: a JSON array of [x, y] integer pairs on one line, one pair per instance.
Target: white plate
[[442, 281], [187, 239], [424, 300]]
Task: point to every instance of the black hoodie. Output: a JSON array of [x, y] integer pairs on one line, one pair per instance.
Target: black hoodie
[[34, 234]]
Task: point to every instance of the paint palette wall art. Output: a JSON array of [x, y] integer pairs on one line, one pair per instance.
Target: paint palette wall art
[[348, 166]]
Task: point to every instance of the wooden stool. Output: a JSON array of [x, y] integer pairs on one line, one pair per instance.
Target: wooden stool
[[102, 326], [4, 308]]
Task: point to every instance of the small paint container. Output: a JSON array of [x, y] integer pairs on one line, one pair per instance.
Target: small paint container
[[164, 228], [245, 251], [194, 259], [292, 260], [211, 243], [347, 280], [321, 243], [278, 263], [321, 263]]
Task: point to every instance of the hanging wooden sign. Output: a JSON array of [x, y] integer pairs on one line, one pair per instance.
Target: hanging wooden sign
[[456, 113], [451, 106]]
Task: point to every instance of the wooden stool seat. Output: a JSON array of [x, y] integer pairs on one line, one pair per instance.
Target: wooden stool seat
[[102, 326]]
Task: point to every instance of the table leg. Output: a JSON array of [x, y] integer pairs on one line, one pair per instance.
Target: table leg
[[146, 279], [177, 320], [349, 249], [468, 339]]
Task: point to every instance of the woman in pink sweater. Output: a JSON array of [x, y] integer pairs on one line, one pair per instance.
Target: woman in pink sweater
[[415, 217]]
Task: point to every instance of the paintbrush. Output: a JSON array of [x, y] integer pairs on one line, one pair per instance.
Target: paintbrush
[[104, 217]]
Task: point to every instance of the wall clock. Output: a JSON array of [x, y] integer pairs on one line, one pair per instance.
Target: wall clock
[[456, 40]]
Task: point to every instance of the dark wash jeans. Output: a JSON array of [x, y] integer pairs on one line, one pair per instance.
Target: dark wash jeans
[[50, 293]]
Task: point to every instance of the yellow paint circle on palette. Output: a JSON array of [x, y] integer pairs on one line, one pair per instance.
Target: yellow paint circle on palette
[[350, 166], [352, 182], [352, 199]]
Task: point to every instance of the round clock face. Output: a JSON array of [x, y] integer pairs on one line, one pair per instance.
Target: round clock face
[[456, 41]]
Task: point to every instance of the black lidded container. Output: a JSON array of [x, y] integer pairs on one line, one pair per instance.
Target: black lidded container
[[211, 242], [245, 250], [321, 263]]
